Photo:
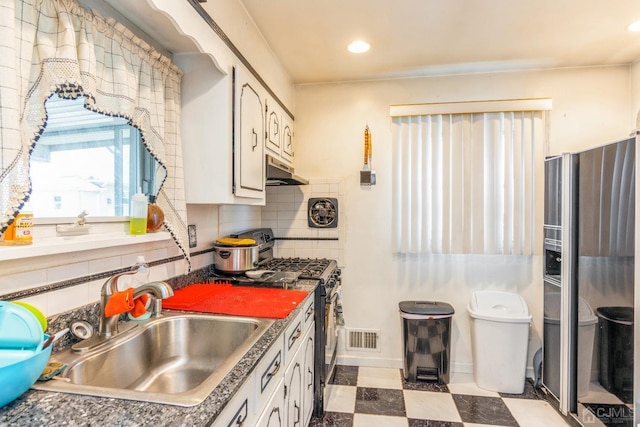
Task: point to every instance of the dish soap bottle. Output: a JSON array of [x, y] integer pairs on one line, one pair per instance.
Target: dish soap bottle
[[138, 214]]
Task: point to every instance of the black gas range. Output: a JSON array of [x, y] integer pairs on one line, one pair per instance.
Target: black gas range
[[328, 277]]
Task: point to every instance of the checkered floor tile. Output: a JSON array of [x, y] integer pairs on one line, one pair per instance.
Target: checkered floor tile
[[372, 397]]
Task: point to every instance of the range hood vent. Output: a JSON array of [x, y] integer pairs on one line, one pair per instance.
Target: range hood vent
[[279, 173]]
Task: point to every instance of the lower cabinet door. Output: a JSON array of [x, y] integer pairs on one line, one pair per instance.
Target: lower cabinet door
[[308, 346], [293, 391], [274, 413]]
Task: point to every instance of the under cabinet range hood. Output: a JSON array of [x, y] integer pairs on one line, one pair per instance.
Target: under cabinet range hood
[[279, 173]]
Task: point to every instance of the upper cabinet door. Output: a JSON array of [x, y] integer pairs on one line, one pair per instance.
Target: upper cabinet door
[[249, 173], [274, 134], [287, 138]]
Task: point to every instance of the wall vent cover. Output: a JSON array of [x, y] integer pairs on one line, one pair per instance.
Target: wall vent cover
[[363, 339], [323, 212]]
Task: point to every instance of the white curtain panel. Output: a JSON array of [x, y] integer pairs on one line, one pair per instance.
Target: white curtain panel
[[56, 46], [468, 183]]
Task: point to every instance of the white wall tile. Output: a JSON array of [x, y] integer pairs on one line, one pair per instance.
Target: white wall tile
[[105, 264], [94, 288], [21, 281], [67, 272], [269, 216], [68, 299]]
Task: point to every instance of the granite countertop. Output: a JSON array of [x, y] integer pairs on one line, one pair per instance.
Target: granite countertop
[[39, 408]]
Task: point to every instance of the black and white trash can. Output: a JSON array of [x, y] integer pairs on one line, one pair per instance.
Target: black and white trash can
[[426, 338]]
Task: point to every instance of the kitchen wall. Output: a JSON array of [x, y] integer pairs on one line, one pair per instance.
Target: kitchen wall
[[634, 102], [590, 107]]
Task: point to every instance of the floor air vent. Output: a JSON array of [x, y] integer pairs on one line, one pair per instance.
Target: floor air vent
[[361, 339]]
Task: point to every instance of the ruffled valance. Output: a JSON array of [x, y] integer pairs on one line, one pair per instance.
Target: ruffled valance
[[57, 46]]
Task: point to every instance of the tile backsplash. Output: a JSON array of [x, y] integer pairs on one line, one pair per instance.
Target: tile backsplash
[[286, 213], [59, 288]]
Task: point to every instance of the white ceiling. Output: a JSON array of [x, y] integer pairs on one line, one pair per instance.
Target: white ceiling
[[434, 37]]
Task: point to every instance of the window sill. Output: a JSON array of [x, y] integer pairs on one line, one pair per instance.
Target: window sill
[[69, 244]]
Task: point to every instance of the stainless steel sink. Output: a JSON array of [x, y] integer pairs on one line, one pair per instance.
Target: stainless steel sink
[[176, 359]]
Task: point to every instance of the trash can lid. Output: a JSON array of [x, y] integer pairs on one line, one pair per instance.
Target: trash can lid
[[427, 308], [499, 306], [553, 302], [622, 315]]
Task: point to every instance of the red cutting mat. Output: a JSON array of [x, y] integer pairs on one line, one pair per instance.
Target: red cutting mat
[[236, 300]]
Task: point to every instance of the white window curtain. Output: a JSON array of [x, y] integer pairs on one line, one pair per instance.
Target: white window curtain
[[56, 46], [468, 182]]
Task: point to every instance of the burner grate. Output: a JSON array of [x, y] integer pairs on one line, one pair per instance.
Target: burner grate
[[309, 268]]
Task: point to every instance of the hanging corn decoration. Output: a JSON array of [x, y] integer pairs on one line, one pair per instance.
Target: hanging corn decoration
[[367, 175], [367, 148]]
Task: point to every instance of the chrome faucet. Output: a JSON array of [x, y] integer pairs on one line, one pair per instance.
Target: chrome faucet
[[108, 326], [159, 291]]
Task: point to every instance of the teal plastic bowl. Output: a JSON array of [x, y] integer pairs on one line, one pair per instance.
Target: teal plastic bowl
[[18, 377]]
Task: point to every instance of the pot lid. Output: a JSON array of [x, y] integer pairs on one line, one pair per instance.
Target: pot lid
[[233, 241]]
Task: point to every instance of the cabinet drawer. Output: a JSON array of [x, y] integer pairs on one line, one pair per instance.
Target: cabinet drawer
[[240, 411], [308, 311], [293, 337], [269, 372]]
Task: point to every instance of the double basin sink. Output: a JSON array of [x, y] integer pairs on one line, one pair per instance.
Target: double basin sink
[[176, 359]]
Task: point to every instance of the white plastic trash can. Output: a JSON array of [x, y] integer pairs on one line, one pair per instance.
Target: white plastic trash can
[[499, 340]]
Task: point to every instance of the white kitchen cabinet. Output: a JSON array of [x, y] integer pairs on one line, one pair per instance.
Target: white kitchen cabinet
[[207, 96], [273, 142], [269, 373], [287, 138], [293, 338], [293, 390], [274, 413], [249, 134], [279, 392], [240, 411], [279, 132], [206, 130], [308, 369], [299, 361]]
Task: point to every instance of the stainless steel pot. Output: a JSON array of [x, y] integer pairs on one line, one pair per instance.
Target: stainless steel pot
[[235, 259]]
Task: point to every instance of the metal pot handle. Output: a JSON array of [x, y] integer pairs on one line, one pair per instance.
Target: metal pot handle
[[224, 254]]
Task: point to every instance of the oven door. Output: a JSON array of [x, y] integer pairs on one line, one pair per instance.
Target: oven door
[[331, 335]]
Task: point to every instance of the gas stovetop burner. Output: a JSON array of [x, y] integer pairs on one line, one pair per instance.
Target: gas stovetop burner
[[309, 268]]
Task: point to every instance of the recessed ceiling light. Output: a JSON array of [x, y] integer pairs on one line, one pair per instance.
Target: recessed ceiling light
[[358, 46], [635, 27]]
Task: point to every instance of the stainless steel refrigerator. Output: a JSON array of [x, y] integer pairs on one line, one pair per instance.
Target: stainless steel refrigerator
[[589, 247]]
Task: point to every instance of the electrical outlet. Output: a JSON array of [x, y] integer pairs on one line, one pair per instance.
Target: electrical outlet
[[193, 237]]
